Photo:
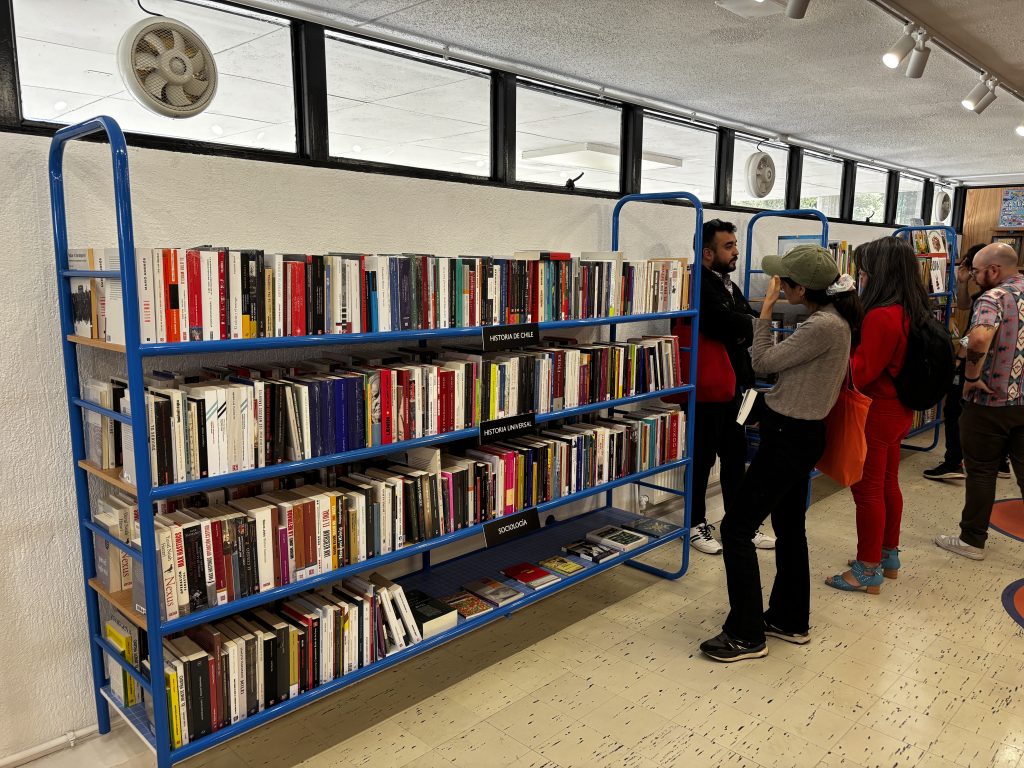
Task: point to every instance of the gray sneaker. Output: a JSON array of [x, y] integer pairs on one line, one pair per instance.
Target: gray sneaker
[[960, 547]]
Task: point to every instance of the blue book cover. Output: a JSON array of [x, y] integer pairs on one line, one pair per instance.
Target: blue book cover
[[316, 446], [357, 413], [326, 416], [340, 418], [371, 289]]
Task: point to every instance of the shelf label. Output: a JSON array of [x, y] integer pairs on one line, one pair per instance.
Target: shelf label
[[502, 429], [511, 527], [498, 337]]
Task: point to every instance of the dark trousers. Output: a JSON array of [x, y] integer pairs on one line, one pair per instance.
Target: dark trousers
[[775, 485], [987, 434], [951, 417], [716, 434]]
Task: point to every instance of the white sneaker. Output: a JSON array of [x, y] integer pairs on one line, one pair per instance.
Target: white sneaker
[[702, 540], [763, 542], [960, 547]]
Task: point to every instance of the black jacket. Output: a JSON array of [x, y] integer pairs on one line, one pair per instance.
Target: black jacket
[[726, 316]]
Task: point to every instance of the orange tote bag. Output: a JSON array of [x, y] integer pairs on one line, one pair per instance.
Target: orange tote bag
[[845, 444]]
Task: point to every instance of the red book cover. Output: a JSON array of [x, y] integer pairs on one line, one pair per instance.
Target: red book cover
[[559, 373], [297, 299], [222, 289], [472, 278], [217, 532], [387, 414], [555, 255], [195, 296], [172, 311], [428, 309], [310, 525], [526, 573], [297, 613], [446, 380], [281, 577]]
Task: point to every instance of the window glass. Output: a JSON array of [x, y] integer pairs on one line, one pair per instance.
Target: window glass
[[742, 192], [678, 158], [389, 107], [559, 137], [67, 61], [909, 199], [869, 195], [820, 183]]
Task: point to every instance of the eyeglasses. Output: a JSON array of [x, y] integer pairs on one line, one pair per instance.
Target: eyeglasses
[[973, 271]]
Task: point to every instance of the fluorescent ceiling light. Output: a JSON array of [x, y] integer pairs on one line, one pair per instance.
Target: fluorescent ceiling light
[[596, 157]]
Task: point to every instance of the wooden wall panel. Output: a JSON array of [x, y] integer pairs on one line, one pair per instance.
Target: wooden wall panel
[[981, 215]]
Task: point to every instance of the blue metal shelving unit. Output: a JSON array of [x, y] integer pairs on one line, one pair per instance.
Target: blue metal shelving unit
[[146, 493]]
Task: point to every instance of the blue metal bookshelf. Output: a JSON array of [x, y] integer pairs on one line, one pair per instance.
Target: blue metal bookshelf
[[540, 543]]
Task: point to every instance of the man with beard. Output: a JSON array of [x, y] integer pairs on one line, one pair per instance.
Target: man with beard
[[992, 423], [726, 332]]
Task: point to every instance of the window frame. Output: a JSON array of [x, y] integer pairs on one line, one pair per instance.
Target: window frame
[[885, 193], [695, 125]]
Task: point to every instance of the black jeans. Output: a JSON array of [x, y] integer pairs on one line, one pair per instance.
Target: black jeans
[[988, 433], [716, 434], [776, 485], [951, 417]]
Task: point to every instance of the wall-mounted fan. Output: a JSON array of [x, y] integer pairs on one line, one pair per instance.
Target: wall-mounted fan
[[760, 174], [942, 207], [167, 67]]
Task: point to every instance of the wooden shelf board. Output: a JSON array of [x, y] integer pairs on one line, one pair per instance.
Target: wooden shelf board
[[96, 343], [122, 601], [112, 476]]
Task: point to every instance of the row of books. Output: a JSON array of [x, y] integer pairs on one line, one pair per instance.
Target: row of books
[[232, 543], [934, 273], [923, 417], [211, 293], [226, 419], [222, 672]]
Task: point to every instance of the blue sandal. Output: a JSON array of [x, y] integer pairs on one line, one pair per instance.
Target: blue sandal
[[868, 579], [890, 562]]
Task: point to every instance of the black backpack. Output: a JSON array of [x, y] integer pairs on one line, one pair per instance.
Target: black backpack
[[928, 368]]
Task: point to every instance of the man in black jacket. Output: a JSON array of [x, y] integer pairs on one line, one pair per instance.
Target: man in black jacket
[[726, 316]]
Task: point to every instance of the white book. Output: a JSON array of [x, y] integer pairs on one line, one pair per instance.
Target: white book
[[209, 278], [83, 294], [266, 533], [405, 611], [180, 571], [176, 397], [233, 672], [168, 571], [381, 496], [171, 658], [110, 306], [235, 295], [260, 636], [229, 630], [276, 264], [395, 627], [156, 264], [144, 278]]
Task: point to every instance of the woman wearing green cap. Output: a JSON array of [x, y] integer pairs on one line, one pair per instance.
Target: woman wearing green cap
[[811, 365]]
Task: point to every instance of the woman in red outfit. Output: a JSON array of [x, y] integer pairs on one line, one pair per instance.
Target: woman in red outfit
[[893, 298]]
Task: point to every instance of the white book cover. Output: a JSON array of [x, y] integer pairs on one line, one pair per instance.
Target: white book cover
[[210, 281], [276, 263], [168, 571], [233, 673], [147, 302], [399, 599], [156, 264], [83, 293], [396, 628], [113, 304]]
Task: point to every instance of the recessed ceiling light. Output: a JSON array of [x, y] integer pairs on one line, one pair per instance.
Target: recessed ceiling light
[[217, 130], [356, 148], [60, 106], [480, 163]]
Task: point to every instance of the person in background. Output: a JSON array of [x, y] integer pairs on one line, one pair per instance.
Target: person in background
[[992, 423], [811, 365], [725, 316], [952, 466], [894, 300]]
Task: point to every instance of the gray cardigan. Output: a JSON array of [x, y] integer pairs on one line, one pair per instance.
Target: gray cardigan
[[811, 364]]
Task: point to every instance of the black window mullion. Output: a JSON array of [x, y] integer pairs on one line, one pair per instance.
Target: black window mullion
[[927, 200], [309, 67], [631, 149], [10, 96], [794, 177], [892, 192], [848, 190], [503, 127], [959, 209], [724, 154]]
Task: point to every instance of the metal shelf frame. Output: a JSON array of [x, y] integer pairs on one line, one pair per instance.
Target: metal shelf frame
[[146, 493]]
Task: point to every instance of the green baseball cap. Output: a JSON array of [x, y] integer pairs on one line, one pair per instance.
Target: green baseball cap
[[808, 265]]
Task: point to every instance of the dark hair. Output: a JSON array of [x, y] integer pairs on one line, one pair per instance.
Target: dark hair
[[847, 304], [894, 277], [712, 227], [968, 259]]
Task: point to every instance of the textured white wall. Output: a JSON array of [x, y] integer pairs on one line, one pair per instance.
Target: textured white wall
[[183, 199]]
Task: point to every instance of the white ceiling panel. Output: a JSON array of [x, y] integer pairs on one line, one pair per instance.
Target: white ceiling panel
[[533, 105], [476, 142], [364, 74], [280, 137], [51, 65], [51, 103], [268, 57], [375, 121], [469, 99]]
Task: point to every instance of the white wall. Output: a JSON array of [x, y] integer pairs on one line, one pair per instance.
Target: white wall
[[185, 199]]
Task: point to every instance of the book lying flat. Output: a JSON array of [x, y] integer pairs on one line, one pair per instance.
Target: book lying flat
[[651, 527], [467, 604], [531, 575], [493, 591], [588, 550], [561, 565], [616, 538]]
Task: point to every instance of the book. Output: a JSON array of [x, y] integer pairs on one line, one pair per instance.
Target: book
[[587, 550], [616, 538], [652, 527], [83, 295], [561, 565], [467, 604], [432, 616], [531, 575], [493, 591]]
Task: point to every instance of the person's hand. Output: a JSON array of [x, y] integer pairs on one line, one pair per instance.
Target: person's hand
[[971, 386], [963, 274], [771, 295]]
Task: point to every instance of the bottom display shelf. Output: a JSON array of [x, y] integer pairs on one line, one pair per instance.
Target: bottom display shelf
[[927, 427], [135, 717], [447, 577]]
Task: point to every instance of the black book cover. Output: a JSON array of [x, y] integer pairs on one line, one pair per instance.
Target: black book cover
[[204, 459], [280, 423], [434, 522], [248, 273], [446, 505], [199, 695], [319, 294], [327, 417], [417, 311], [405, 292], [251, 546], [240, 525], [270, 693], [195, 568], [314, 674], [118, 389], [453, 296], [252, 692], [261, 295], [162, 423]]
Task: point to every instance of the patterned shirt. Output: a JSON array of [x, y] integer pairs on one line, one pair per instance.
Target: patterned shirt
[[1002, 308]]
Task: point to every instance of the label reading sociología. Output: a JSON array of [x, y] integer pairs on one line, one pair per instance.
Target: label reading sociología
[[511, 527], [498, 337], [502, 429]]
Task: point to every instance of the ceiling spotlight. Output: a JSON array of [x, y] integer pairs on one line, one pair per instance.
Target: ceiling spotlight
[[987, 99], [1020, 129], [976, 93], [919, 56], [797, 9], [899, 51]]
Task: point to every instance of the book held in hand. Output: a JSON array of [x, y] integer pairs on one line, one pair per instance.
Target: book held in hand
[[467, 604], [617, 538], [493, 591], [531, 575], [588, 550], [559, 564], [651, 527]]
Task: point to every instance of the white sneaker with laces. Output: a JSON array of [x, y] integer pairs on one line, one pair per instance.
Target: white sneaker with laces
[[702, 540], [761, 541], [960, 547]]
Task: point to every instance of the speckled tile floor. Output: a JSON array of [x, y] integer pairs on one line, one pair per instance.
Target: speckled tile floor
[[928, 674]]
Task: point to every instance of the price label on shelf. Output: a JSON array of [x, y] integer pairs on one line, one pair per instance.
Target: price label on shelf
[[511, 526], [502, 429], [498, 337]]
